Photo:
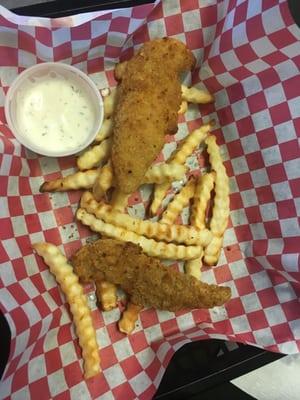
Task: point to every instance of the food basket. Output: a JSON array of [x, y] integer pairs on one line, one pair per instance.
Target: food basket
[[248, 56]]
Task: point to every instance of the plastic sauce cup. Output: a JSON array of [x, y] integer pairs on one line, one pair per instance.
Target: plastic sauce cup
[[81, 82]]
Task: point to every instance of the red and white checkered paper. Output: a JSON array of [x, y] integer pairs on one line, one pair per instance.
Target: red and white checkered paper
[[248, 55]]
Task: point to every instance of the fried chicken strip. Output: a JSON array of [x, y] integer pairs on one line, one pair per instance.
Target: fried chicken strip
[[144, 278], [147, 107]]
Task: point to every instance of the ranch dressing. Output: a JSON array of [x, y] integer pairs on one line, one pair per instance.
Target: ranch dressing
[[54, 112]]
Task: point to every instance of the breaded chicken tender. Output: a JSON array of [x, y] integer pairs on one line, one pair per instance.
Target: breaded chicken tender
[[144, 278], [149, 98]]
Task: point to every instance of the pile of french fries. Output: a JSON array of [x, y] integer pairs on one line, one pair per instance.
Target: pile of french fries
[[103, 209]]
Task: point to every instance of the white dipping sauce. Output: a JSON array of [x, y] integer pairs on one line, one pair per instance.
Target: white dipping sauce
[[53, 111]]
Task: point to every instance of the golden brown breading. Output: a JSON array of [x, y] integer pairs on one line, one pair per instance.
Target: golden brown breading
[[147, 107], [144, 278]]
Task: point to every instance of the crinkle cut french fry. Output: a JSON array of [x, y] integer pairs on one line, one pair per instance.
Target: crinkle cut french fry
[[164, 172], [149, 246], [155, 174], [105, 131], [201, 198], [185, 149], [193, 267], [180, 200], [189, 95], [196, 96], [169, 233], [109, 103], [93, 156], [79, 180], [220, 213], [129, 318], [183, 107], [119, 201], [159, 194], [190, 143], [107, 294], [103, 181], [213, 250], [197, 219], [73, 291]]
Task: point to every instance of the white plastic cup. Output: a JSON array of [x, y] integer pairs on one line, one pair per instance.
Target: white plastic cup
[[38, 71]]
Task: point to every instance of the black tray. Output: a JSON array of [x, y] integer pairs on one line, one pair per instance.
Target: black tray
[[63, 8]]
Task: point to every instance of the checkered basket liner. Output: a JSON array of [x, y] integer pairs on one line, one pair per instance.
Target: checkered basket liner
[[248, 56]]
